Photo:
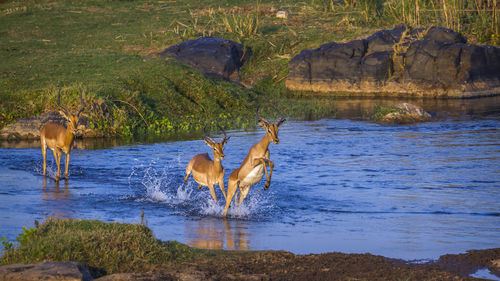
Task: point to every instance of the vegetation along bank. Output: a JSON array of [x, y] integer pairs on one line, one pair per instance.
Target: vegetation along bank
[[107, 48]]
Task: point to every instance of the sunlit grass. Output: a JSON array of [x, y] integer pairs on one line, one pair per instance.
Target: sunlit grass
[[105, 47], [105, 247]]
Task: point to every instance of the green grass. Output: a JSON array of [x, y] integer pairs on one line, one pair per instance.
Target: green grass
[[103, 47], [105, 247], [380, 111]]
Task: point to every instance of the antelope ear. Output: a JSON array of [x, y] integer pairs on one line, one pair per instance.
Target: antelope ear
[[263, 123], [225, 140]]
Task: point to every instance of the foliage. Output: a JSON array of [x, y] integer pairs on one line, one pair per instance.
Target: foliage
[[112, 247], [382, 110], [107, 48]]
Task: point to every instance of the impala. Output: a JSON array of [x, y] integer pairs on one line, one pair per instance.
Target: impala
[[207, 172], [251, 170], [59, 137]]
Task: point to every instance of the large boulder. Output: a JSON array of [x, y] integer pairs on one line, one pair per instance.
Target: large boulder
[[56, 271], [403, 61], [215, 57]]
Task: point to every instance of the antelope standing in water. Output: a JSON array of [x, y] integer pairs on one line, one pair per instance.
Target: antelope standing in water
[[59, 137], [251, 170], [207, 172]]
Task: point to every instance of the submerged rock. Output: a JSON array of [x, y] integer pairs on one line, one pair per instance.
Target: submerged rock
[[216, 57], [405, 113], [60, 271], [431, 62]]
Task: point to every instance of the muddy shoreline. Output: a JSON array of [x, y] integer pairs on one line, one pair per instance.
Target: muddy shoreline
[[280, 265]]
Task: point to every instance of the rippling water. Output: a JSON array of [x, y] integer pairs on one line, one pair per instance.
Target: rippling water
[[412, 192]]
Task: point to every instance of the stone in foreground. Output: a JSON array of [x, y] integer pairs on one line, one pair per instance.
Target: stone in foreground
[[56, 271]]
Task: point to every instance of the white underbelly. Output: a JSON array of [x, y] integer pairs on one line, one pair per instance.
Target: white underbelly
[[254, 176]]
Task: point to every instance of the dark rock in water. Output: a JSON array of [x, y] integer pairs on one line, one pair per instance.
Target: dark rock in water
[[431, 62], [406, 113], [60, 271], [213, 56]]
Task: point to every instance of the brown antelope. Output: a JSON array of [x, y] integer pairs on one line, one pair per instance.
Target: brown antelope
[[207, 172], [59, 137], [251, 170]]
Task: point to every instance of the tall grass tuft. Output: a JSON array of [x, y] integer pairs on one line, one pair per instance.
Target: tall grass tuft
[[473, 17]]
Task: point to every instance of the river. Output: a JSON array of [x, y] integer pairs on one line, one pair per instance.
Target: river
[[339, 184]]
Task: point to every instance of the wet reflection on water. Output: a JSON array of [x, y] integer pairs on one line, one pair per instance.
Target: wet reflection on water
[[216, 233], [362, 108], [57, 197]]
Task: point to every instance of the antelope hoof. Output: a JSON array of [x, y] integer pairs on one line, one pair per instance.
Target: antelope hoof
[[267, 186]]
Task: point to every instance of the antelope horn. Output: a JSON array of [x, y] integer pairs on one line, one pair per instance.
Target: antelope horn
[[225, 138], [259, 118], [83, 104], [207, 138], [281, 118], [66, 110]]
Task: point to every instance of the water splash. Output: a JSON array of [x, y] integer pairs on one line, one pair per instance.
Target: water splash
[[51, 169], [166, 186]]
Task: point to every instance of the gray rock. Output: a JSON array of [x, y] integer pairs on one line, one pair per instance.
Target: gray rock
[[29, 128], [215, 57], [57, 271], [403, 61], [406, 113]]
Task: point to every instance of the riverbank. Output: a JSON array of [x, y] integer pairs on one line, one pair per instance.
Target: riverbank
[[131, 252], [105, 48]]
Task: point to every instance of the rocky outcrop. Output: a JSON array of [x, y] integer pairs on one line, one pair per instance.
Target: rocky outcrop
[[56, 271], [29, 128], [215, 57], [428, 62]]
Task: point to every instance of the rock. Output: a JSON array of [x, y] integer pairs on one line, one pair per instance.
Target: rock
[[29, 128], [430, 62], [281, 14], [215, 57], [406, 113], [57, 271]]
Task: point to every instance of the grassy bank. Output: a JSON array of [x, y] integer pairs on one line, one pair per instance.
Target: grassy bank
[[106, 247], [109, 248], [103, 47]]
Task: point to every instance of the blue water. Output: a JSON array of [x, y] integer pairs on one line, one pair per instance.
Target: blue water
[[402, 191]]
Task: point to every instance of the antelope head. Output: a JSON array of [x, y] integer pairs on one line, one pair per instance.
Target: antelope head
[[271, 129], [217, 147], [72, 119]]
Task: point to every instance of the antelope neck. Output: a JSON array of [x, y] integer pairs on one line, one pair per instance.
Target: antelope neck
[[265, 141]]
